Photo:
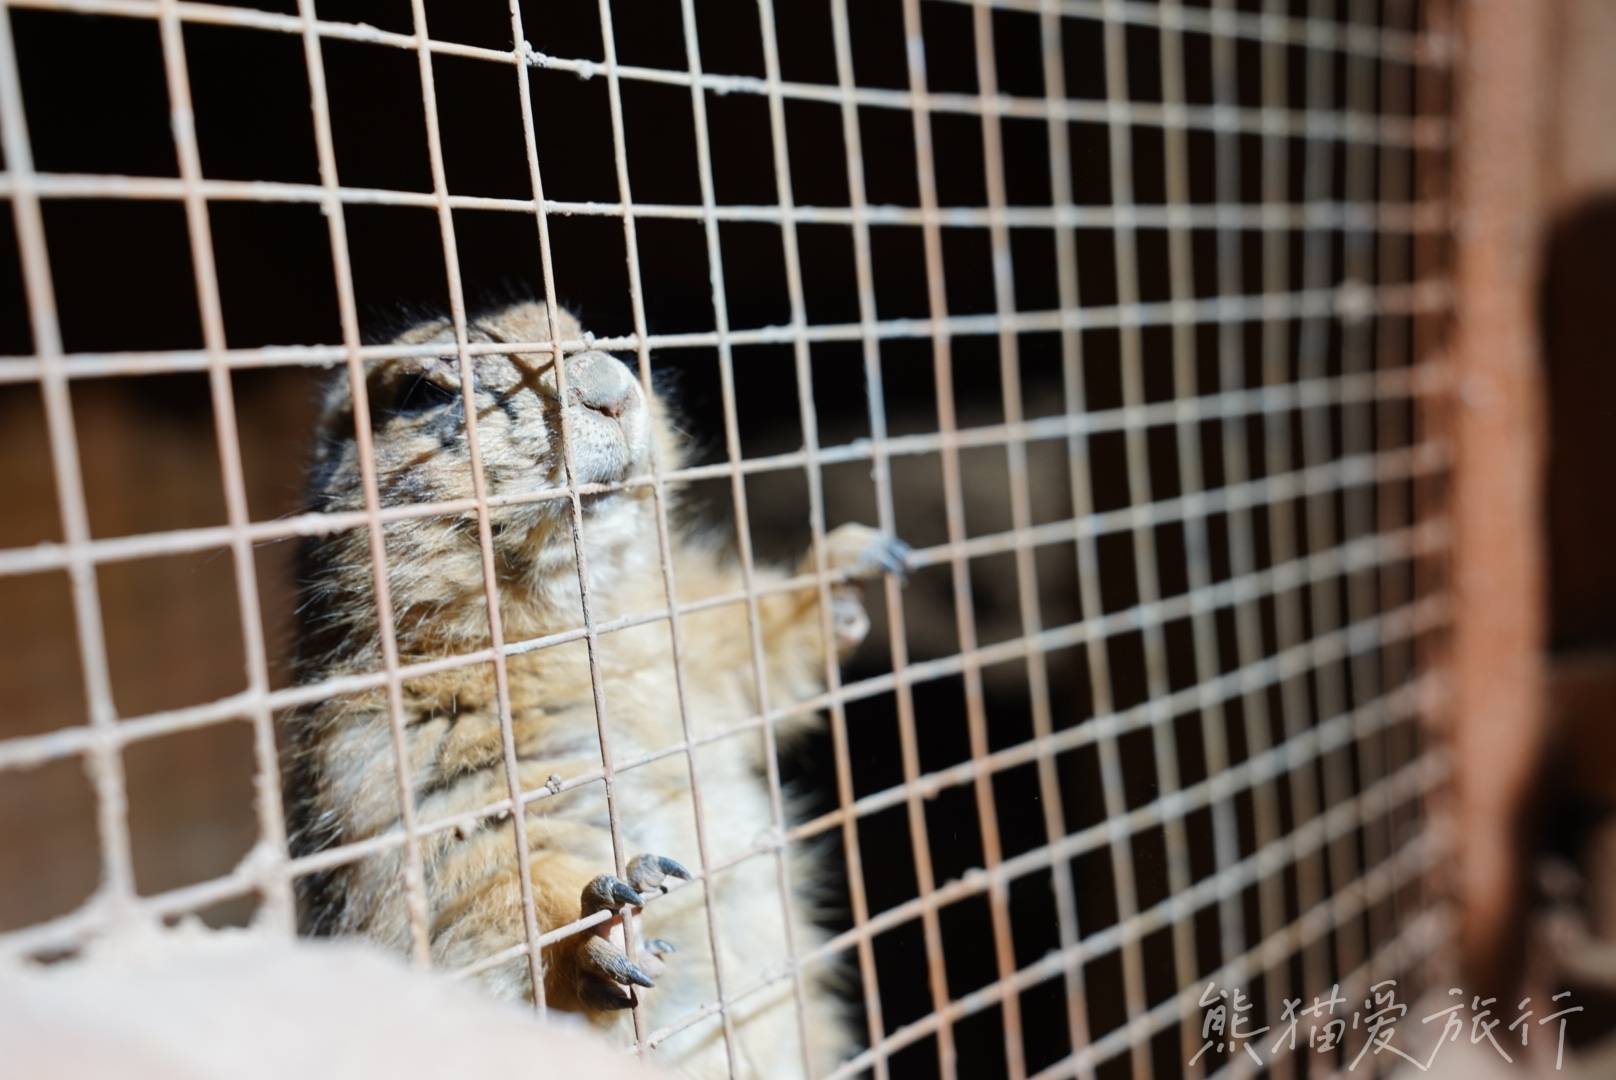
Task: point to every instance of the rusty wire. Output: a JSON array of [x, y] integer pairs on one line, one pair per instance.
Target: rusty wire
[[1340, 651]]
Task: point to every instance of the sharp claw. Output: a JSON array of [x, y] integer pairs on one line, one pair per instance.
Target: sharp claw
[[605, 959], [660, 946], [607, 892], [896, 557], [647, 871], [626, 894], [632, 973]]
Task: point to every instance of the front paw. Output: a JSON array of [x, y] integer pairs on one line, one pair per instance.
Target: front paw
[[862, 552], [606, 976]]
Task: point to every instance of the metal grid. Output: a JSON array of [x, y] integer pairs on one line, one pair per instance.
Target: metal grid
[[1324, 529]]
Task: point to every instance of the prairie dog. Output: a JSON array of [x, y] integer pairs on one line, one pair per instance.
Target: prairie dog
[[340, 769]]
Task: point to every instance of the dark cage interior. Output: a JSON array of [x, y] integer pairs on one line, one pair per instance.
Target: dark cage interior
[[1226, 613]]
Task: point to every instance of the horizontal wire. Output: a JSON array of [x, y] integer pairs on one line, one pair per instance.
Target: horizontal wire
[[1343, 473], [1223, 405], [1416, 860], [1431, 50], [1348, 300], [1416, 940], [1411, 620], [1417, 777], [1409, 217]]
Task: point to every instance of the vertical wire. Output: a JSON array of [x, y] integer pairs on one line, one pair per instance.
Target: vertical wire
[[411, 871], [1248, 629], [1391, 429], [1320, 508], [1257, 722], [1095, 649], [1235, 440], [1181, 270], [886, 518], [631, 248], [1357, 438], [1288, 616], [1020, 505], [496, 630], [280, 907], [102, 760], [513, 781], [743, 525], [1060, 188], [1146, 571], [816, 521], [964, 610]]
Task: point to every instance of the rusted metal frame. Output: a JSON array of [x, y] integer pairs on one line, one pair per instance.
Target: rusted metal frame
[[1499, 718], [1432, 336]]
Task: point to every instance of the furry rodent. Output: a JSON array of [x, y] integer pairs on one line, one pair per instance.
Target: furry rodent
[[340, 766]]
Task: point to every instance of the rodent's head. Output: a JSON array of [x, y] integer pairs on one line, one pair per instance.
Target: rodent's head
[[418, 431]]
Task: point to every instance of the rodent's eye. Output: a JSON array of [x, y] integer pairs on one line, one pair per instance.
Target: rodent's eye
[[421, 395]]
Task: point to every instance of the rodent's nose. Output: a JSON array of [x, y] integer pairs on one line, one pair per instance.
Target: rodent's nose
[[598, 382]]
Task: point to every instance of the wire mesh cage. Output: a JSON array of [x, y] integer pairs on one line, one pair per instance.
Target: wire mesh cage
[[1130, 318]]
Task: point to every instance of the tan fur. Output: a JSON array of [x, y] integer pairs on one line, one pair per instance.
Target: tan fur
[[340, 763]]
